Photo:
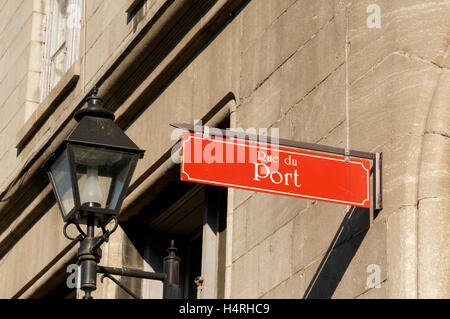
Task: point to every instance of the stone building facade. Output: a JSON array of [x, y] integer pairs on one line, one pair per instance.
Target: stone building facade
[[369, 75]]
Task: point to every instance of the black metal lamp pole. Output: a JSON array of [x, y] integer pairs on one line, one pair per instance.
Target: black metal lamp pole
[[88, 258]]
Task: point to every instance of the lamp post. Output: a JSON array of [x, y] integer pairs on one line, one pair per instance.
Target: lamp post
[[90, 173]]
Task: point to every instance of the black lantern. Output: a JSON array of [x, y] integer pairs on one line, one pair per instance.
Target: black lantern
[[91, 170], [90, 173]]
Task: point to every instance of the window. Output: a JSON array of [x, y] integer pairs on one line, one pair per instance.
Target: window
[[196, 221], [62, 39]]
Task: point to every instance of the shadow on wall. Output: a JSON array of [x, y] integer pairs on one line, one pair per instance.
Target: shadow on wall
[[338, 257]]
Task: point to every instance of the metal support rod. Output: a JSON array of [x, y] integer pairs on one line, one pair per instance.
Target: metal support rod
[[118, 283], [128, 272]]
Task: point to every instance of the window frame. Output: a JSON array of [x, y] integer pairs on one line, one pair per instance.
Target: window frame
[[70, 45]]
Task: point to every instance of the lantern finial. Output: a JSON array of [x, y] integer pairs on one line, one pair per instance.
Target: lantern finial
[[94, 108]]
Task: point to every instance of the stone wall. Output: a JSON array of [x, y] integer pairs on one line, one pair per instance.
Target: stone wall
[[312, 69], [293, 76], [21, 35]]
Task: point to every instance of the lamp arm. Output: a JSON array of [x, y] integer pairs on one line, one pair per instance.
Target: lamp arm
[[127, 272], [118, 283], [135, 273]]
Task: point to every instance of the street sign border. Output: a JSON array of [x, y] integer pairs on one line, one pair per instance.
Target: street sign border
[[376, 158], [278, 192]]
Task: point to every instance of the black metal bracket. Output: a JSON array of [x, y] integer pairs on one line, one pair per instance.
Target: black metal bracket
[[377, 182], [128, 272], [99, 240], [170, 275], [89, 255]]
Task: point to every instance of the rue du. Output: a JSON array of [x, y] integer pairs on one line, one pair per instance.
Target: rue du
[[262, 170]]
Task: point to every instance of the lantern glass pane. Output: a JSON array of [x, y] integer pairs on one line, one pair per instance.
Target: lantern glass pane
[[102, 175], [62, 182]]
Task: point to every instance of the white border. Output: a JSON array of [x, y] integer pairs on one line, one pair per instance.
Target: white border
[[271, 191]]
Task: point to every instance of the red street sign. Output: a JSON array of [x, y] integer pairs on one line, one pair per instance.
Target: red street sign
[[274, 169]]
